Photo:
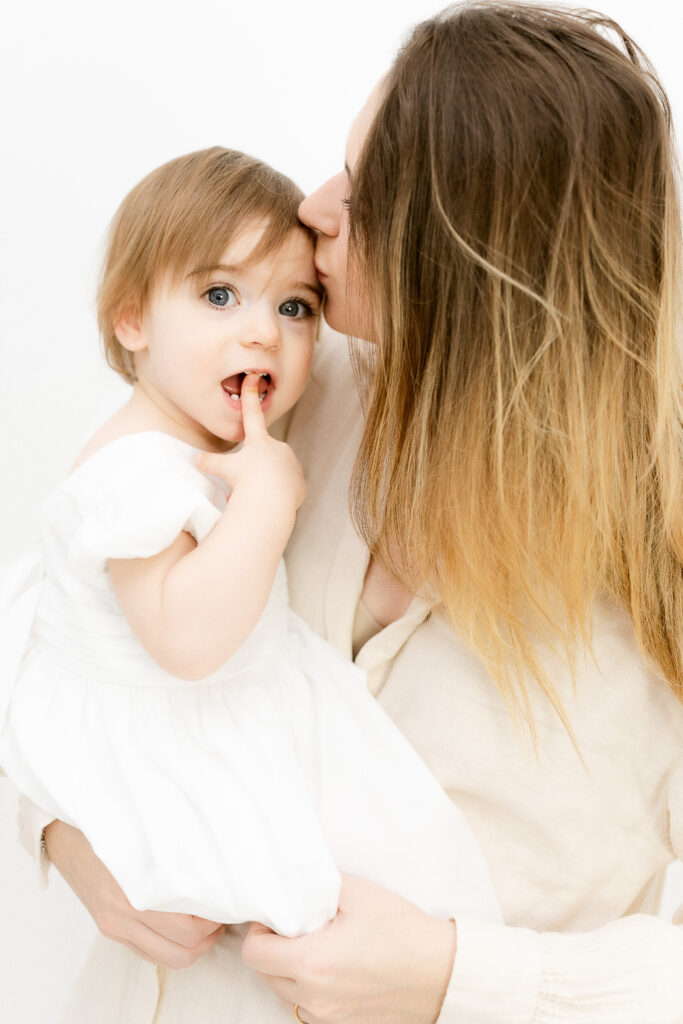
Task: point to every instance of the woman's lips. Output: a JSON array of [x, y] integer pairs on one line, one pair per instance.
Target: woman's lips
[[320, 272]]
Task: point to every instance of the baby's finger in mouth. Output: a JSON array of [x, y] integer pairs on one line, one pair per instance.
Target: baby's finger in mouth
[[252, 413]]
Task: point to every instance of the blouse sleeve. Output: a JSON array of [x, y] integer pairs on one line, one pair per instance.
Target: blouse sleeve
[[131, 499], [627, 972], [33, 820]]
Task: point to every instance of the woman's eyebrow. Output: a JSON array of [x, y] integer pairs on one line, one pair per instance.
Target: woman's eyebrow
[[348, 172]]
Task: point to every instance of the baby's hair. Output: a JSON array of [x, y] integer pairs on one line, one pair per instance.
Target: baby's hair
[[182, 215]]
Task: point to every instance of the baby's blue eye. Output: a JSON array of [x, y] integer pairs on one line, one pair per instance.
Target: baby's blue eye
[[221, 296], [294, 308]]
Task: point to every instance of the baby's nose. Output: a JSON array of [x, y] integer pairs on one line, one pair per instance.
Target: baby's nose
[[262, 331]]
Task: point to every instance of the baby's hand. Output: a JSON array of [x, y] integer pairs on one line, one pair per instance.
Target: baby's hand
[[267, 468]]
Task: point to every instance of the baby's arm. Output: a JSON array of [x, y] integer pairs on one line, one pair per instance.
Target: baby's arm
[[192, 606]]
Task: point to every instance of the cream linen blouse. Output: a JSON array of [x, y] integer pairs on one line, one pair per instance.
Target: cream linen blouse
[[577, 851]]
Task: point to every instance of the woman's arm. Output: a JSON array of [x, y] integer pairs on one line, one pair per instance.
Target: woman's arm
[[172, 940], [383, 960], [382, 955], [192, 606], [380, 961], [628, 972]]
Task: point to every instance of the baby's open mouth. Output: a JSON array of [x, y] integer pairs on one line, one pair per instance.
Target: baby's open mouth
[[233, 385]]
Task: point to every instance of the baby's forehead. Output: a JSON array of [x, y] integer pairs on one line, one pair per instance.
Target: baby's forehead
[[298, 240], [299, 243], [253, 245], [254, 248], [252, 258], [258, 242]]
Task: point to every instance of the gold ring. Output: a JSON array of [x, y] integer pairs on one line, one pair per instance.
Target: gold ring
[[296, 1014]]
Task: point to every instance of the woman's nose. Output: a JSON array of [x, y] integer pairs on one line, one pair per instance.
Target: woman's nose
[[322, 209]]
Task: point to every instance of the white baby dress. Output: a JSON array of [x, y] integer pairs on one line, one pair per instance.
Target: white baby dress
[[240, 797]]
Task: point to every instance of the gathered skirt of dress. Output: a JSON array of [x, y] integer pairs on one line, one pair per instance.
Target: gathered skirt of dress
[[239, 797]]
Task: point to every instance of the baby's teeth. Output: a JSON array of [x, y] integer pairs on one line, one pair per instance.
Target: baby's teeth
[[261, 397]]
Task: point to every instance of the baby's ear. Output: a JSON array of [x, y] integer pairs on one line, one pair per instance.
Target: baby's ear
[[128, 330]]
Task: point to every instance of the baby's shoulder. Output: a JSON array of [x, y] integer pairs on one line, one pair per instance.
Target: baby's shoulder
[[126, 421], [106, 435], [130, 457]]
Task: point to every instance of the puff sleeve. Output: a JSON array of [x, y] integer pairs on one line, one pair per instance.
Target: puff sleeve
[[131, 499]]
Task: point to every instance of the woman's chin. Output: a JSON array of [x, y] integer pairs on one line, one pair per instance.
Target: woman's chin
[[339, 321], [336, 318]]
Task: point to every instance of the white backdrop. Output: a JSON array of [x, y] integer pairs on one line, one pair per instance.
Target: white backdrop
[[94, 96]]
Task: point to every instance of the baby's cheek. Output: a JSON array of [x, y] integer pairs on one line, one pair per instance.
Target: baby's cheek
[[303, 378]]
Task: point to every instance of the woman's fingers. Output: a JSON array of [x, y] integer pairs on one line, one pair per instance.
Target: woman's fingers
[[177, 943], [284, 988], [381, 960], [159, 950], [155, 950], [183, 929], [268, 953], [253, 420]]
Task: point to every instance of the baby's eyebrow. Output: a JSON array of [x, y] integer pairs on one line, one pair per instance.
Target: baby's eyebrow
[[225, 267], [307, 286]]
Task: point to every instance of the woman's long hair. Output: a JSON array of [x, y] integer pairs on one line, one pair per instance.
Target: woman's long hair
[[515, 221]]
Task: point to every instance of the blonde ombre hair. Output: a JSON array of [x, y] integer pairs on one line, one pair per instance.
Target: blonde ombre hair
[[184, 215], [522, 451]]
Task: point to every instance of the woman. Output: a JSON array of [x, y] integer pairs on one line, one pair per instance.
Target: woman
[[514, 256]]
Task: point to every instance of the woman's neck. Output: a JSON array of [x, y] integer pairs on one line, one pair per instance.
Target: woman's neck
[[384, 597]]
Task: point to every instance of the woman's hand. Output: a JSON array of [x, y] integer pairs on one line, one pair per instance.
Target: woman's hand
[[380, 961], [267, 467], [172, 940]]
